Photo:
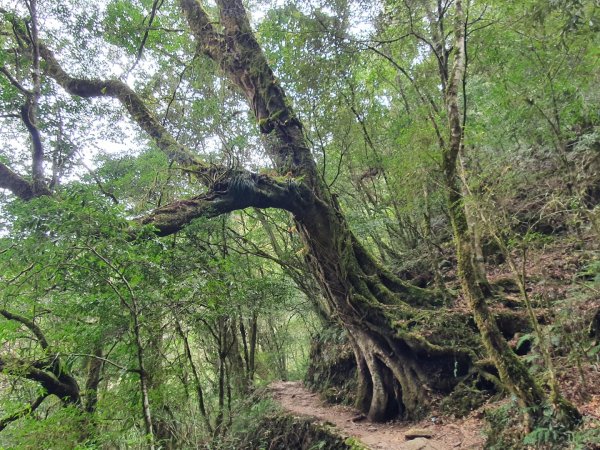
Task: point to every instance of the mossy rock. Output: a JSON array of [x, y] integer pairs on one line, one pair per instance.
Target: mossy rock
[[332, 367], [284, 432], [464, 399]]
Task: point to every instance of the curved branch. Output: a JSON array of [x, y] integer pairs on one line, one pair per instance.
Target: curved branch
[[28, 112], [27, 31], [22, 413], [133, 103], [15, 183], [64, 387], [239, 190], [136, 107], [29, 324], [49, 371]]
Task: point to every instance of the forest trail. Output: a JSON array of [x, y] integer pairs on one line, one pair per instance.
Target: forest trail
[[459, 434]]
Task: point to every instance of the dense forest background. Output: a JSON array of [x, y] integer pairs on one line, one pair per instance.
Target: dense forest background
[[396, 201]]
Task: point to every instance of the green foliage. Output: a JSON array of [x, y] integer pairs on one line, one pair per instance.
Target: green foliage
[[79, 260], [465, 398], [270, 430], [63, 429], [366, 82], [354, 444], [124, 23], [591, 272], [586, 437], [254, 410], [506, 431], [332, 368]]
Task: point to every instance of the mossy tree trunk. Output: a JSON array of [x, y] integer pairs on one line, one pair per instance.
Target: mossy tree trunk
[[400, 371], [513, 373], [362, 295]]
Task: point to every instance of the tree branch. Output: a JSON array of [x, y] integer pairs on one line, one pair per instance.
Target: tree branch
[[25, 411], [210, 42], [29, 324], [239, 190], [28, 117], [14, 81], [105, 360], [136, 107], [49, 371], [241, 58], [139, 112], [155, 7], [426, 99], [49, 381], [15, 183], [30, 108]]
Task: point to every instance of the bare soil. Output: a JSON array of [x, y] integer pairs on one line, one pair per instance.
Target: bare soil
[[445, 434]]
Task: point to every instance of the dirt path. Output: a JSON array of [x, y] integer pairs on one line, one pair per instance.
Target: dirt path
[[463, 434]]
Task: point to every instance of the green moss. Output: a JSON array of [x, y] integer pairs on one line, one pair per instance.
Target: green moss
[[464, 399], [332, 369], [283, 432]]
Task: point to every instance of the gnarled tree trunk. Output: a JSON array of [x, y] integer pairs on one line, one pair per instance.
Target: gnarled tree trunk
[[399, 370], [395, 369], [512, 371]]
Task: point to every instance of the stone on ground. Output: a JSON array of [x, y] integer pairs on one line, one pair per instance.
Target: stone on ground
[[414, 433]]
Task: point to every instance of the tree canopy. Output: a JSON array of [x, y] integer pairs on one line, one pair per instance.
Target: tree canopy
[[193, 191]]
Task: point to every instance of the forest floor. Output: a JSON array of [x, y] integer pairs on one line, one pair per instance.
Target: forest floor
[[556, 274], [444, 434]]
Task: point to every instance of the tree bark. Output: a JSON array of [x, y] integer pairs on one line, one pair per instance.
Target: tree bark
[[95, 367], [15, 183]]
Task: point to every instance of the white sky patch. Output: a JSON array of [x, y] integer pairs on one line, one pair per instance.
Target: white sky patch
[[384, 100]]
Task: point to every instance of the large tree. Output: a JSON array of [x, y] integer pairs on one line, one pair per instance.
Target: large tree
[[400, 370]]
